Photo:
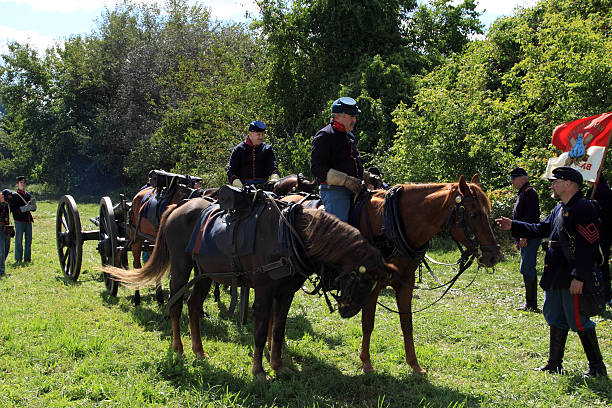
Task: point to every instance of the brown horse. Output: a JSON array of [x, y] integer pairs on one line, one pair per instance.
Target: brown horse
[[424, 210], [142, 229], [326, 240]]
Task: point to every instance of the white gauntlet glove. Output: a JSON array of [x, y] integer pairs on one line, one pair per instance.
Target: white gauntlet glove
[[274, 177], [237, 183], [338, 178], [31, 206]]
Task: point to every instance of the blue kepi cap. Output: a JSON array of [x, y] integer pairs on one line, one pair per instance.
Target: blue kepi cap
[[566, 173], [345, 105], [257, 126], [517, 172]]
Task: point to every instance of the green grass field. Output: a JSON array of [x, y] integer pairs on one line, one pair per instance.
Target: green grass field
[[70, 344]]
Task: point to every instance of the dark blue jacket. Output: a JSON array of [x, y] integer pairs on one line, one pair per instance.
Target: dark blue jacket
[[527, 205], [337, 150], [18, 199], [603, 196], [252, 163], [581, 223]]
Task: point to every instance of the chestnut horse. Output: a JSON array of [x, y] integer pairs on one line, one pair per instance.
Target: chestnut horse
[[142, 229], [424, 210], [326, 241]]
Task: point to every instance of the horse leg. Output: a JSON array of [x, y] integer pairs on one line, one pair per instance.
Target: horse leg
[[159, 292], [175, 315], [180, 270], [136, 252], [217, 292], [270, 325], [262, 308], [194, 305], [367, 326], [403, 295], [281, 310]]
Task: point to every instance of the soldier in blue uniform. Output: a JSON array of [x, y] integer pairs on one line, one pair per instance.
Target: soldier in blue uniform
[[527, 209], [573, 230], [253, 161], [603, 198], [335, 161]]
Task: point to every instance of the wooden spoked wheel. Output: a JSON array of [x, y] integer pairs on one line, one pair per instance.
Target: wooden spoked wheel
[[68, 237], [107, 246]]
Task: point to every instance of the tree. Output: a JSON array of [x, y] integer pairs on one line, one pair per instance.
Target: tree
[[495, 105], [322, 49]]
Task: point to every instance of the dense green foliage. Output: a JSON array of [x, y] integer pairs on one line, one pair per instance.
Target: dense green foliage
[[172, 89], [70, 344], [495, 105]]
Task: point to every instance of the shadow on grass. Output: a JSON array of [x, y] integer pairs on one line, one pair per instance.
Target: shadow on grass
[[66, 280], [607, 314], [600, 386], [318, 383]]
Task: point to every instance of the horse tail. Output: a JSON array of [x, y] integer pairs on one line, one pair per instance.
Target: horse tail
[[156, 267]]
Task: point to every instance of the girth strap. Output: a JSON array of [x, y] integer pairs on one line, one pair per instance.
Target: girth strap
[[393, 230]]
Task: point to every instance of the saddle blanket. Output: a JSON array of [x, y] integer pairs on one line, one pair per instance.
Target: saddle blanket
[[222, 233], [153, 206]]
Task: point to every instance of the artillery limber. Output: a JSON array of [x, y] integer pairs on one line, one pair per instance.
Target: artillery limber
[[114, 225]]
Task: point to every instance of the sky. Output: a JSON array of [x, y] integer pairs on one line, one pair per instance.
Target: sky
[[41, 23]]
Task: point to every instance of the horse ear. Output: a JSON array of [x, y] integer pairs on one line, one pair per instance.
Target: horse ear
[[475, 179], [463, 187]]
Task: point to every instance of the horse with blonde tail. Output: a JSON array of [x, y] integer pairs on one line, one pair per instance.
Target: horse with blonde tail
[[320, 242]]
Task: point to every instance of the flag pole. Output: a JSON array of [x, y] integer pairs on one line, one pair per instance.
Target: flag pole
[[603, 160]]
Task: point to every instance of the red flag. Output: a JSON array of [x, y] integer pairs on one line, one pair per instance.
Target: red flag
[[591, 131]]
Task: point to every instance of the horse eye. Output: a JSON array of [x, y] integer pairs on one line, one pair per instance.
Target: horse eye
[[475, 216]]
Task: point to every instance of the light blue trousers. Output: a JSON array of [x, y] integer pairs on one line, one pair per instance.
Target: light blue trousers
[[562, 310], [529, 258], [23, 251], [337, 200]]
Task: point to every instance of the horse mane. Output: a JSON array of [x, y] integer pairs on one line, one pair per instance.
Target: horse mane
[[328, 239], [482, 197], [475, 189]]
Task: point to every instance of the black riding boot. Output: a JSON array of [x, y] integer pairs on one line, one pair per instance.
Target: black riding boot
[[588, 338], [531, 294], [556, 350], [532, 298]]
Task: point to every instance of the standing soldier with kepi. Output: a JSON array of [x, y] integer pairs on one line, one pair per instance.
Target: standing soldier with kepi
[[253, 161], [573, 230], [22, 205], [335, 161], [527, 209]]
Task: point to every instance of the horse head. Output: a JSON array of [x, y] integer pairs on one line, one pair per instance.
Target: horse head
[[353, 266], [356, 284], [469, 222]]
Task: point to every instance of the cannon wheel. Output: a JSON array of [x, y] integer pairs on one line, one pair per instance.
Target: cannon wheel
[[68, 237], [108, 242]]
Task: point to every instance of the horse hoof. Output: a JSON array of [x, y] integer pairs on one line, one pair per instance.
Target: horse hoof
[[284, 372], [201, 354], [367, 368], [262, 377], [419, 370]]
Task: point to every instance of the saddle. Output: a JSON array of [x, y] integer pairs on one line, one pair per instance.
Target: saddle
[[228, 230], [154, 204], [162, 179]]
